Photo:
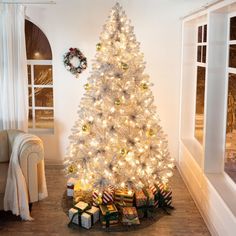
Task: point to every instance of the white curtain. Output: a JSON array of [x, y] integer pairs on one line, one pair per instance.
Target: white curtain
[[13, 68]]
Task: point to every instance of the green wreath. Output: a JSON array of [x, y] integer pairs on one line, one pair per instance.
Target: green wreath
[[75, 61]]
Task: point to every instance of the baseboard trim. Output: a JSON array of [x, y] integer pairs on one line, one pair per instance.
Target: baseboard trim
[[210, 226]]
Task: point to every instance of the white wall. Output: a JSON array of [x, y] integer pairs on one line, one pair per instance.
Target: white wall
[[78, 23]]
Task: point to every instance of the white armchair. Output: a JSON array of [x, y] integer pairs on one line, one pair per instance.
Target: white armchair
[[31, 155]]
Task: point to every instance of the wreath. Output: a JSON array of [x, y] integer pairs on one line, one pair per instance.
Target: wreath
[[75, 61]]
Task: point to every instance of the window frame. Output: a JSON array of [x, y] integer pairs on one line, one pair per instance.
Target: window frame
[[33, 129], [229, 70], [200, 64]]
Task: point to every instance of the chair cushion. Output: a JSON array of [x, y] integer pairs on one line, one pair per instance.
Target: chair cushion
[[4, 147], [3, 176]]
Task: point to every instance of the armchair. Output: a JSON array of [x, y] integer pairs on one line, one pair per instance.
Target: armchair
[[31, 155]]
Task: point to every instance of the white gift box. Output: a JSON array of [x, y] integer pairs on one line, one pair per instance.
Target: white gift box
[[95, 212], [70, 186], [84, 221], [88, 218], [81, 205]]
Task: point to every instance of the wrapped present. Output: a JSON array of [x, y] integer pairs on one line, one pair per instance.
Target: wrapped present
[[164, 195], [97, 198], [94, 212], [79, 216], [145, 206], [104, 198], [70, 186], [82, 194], [109, 215], [130, 216], [154, 190], [150, 197], [124, 197], [107, 196], [140, 198]]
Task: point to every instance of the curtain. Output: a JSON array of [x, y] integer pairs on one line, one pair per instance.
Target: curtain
[[13, 68]]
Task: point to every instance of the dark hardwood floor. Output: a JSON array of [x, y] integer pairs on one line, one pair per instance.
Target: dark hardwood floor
[[50, 215]]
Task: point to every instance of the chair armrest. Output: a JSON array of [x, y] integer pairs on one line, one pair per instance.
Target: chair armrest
[[32, 153]]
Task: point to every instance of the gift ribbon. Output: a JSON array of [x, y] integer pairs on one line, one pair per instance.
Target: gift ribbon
[[91, 214], [79, 213], [108, 217]]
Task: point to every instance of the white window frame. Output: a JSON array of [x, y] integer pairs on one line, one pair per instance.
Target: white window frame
[[230, 42], [228, 71], [201, 64], [32, 63]]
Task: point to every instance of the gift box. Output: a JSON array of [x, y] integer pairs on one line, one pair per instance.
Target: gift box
[[97, 198], [123, 197], [109, 215], [130, 216], [164, 195], [106, 197], [94, 212], [150, 197], [140, 198], [154, 190], [82, 194], [79, 216], [70, 186]]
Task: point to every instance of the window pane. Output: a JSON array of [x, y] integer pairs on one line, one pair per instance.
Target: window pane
[[44, 119], [30, 96], [230, 160], [232, 56], [204, 54], [43, 97], [199, 34], [30, 120], [29, 74], [42, 74], [37, 45], [199, 53], [233, 28], [199, 116], [205, 34]]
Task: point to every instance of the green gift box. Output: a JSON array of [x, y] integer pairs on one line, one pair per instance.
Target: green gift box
[[109, 215]]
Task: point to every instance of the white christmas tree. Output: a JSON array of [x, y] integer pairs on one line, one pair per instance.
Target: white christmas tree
[[117, 138]]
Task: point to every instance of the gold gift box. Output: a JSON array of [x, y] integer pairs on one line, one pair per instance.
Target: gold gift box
[[82, 194], [123, 197]]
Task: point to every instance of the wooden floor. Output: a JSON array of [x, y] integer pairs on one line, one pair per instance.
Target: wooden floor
[[51, 219]]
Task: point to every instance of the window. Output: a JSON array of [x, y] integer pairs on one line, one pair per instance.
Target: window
[[40, 79], [200, 90], [230, 146]]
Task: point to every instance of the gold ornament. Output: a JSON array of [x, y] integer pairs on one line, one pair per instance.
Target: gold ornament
[[124, 66], [85, 128], [123, 151], [144, 86], [87, 86], [150, 132], [72, 168], [117, 102], [99, 200], [98, 46]]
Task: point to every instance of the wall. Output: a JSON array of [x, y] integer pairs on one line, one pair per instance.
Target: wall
[[157, 26]]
